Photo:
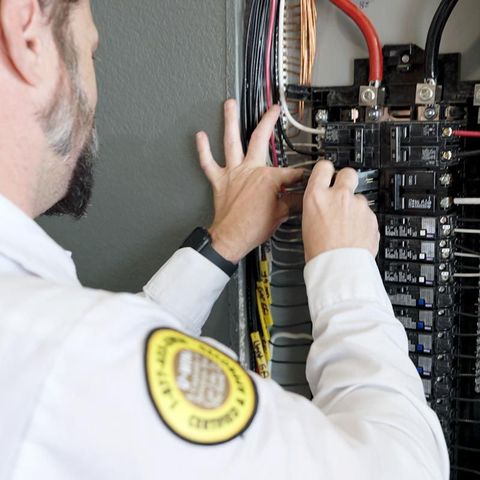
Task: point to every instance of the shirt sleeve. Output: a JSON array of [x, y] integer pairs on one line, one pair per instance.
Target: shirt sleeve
[[368, 418], [359, 370], [187, 287]]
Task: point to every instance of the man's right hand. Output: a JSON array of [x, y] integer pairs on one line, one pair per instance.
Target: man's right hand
[[333, 216]]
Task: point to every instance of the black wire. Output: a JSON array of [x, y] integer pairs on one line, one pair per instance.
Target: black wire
[[471, 153], [469, 220], [293, 385], [468, 287], [288, 362], [289, 285], [292, 325], [468, 315], [466, 470], [467, 449], [309, 153], [434, 38], [470, 421], [292, 305], [291, 345]]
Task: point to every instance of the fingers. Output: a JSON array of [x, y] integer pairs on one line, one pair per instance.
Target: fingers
[[287, 176], [321, 176], [347, 178], [292, 202], [232, 141], [207, 162], [259, 141]]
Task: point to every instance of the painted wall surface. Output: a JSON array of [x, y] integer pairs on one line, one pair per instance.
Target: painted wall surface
[[397, 21], [162, 75]]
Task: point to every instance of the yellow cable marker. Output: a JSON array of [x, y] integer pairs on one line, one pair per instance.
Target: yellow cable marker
[[265, 304], [265, 275], [200, 393], [260, 358]]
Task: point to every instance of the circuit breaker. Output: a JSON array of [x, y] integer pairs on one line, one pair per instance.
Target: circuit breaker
[[410, 125]]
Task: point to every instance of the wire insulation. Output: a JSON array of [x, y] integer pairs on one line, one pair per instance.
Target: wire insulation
[[371, 37], [434, 39]]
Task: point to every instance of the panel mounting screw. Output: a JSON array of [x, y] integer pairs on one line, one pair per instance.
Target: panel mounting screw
[[447, 155], [405, 58]]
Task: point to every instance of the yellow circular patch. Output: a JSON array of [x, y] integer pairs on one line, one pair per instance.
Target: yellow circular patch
[[201, 394]]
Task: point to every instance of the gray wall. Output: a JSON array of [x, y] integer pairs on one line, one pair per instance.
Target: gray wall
[[164, 69], [162, 74]]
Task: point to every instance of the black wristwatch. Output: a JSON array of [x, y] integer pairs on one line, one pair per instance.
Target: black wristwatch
[[201, 241]]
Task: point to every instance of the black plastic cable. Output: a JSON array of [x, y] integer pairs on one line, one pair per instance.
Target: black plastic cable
[[291, 146], [434, 38], [471, 153]]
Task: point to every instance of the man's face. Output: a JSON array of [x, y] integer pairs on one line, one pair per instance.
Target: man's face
[[68, 119]]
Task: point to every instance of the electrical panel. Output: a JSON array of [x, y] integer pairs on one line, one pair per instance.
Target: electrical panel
[[416, 147]]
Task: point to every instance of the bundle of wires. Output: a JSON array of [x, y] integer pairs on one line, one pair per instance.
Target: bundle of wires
[[308, 39], [253, 103], [434, 38]]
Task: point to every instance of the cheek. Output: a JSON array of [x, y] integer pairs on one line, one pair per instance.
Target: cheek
[[89, 81], [91, 84]]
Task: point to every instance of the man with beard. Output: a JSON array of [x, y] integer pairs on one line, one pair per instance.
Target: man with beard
[[101, 385]]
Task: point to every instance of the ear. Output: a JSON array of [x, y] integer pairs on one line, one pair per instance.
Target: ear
[[23, 25]]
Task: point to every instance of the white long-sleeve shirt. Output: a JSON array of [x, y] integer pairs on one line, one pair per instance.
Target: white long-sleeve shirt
[[78, 372]]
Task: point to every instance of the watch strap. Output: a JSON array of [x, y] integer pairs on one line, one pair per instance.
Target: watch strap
[[201, 241], [211, 254]]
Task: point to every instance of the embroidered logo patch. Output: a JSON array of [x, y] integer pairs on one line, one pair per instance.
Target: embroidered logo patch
[[200, 393]]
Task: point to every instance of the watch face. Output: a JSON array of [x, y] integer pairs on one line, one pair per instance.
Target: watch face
[[198, 239]]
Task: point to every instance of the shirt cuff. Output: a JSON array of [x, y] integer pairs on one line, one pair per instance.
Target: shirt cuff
[[343, 275], [187, 286]]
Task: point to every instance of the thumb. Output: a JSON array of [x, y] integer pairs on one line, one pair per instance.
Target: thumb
[[288, 176], [207, 162]]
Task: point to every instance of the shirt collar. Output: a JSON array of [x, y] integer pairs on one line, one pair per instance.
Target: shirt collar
[[26, 243]]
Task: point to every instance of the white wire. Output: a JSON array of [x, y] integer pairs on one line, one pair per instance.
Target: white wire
[[466, 255], [290, 336], [467, 275], [304, 164], [292, 265], [467, 230], [283, 271], [466, 201], [289, 230], [281, 79], [305, 144], [287, 240], [291, 249]]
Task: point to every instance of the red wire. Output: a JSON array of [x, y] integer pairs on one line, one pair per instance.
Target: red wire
[[268, 78], [370, 34], [466, 133]]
